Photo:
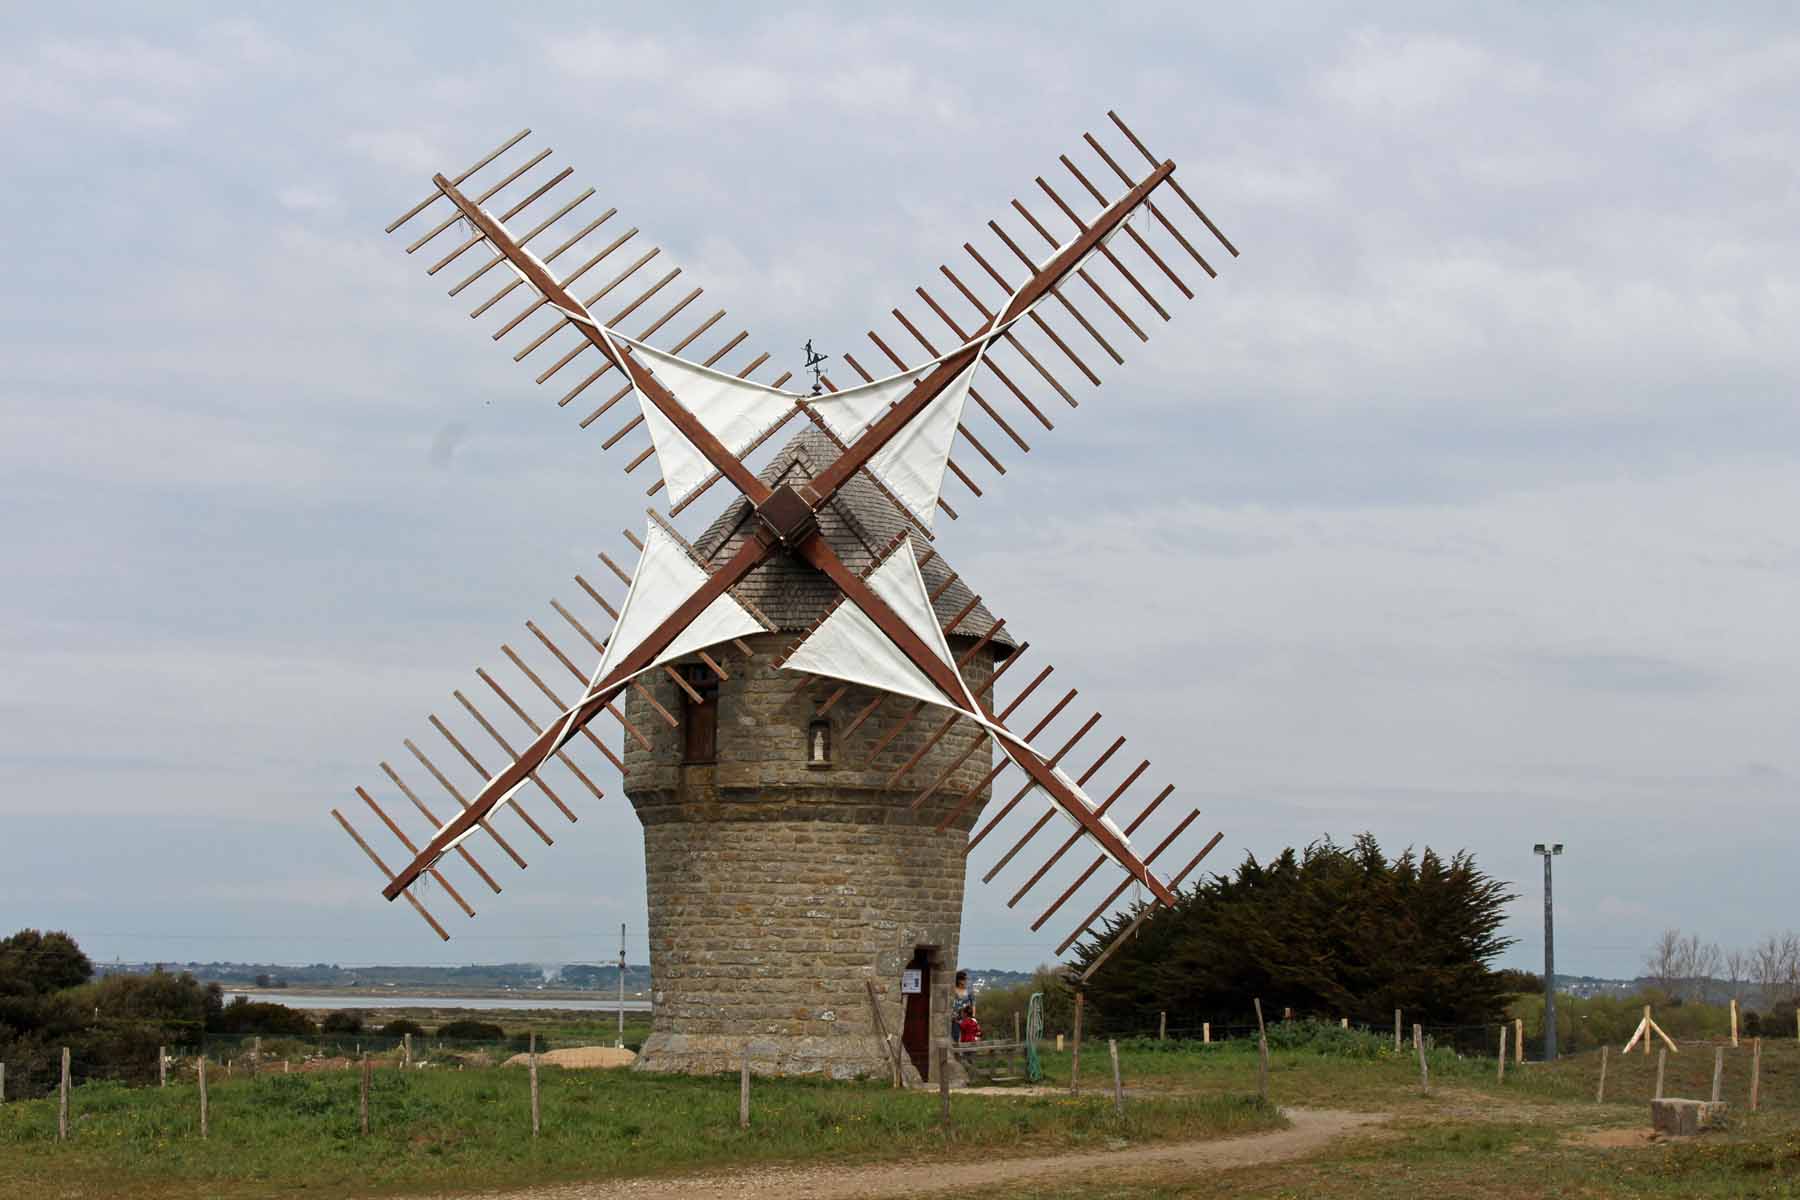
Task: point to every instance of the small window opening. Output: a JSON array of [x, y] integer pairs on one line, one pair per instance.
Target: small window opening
[[700, 721], [818, 744]]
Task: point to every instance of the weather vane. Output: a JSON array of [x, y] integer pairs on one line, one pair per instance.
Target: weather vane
[[813, 359]]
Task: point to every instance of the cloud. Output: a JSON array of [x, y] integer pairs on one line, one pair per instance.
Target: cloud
[[1453, 510]]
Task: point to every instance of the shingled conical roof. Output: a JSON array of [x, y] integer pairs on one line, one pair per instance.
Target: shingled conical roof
[[859, 522]]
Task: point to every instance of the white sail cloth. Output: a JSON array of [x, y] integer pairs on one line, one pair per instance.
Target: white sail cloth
[[665, 577], [848, 645]]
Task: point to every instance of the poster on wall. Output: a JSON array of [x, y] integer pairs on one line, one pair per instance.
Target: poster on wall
[[910, 981]]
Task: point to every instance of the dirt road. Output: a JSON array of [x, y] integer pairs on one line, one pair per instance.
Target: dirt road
[[1311, 1131]]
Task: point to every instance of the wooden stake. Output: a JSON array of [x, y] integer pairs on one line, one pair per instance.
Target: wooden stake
[[534, 1080], [1206, 1033], [1262, 1066], [162, 1066], [203, 1094], [1344, 1022], [406, 1047], [1755, 1073], [1112, 1048], [1648, 1026], [1396, 1031], [1261, 1031], [1424, 1071], [1501, 1077], [1059, 1043], [1662, 1062], [255, 1056], [1162, 1026], [1734, 1021], [62, 1100], [1718, 1071], [1600, 1095], [1075, 1059], [368, 1073], [1519, 1040], [744, 1090]]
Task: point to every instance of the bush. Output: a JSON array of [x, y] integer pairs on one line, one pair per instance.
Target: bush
[[401, 1027], [342, 1022], [471, 1031], [244, 1016]]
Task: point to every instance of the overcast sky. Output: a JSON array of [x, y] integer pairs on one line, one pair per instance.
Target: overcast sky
[[1460, 509]]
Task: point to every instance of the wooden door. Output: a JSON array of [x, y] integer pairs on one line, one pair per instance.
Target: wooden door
[[915, 1032]]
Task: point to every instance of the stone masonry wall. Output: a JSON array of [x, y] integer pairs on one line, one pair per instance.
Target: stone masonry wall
[[776, 888]]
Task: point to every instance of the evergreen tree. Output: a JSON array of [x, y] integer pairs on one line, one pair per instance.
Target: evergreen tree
[[1332, 931]]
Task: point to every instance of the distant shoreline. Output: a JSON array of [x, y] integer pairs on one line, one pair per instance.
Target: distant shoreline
[[403, 992]]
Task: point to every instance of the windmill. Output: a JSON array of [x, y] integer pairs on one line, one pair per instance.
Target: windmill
[[806, 822]]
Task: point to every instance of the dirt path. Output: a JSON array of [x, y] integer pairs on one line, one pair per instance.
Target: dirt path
[[1312, 1130]]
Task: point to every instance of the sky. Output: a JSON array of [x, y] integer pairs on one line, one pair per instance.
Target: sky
[[1458, 510]]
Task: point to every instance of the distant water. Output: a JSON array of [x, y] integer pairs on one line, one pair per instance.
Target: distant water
[[385, 1000]]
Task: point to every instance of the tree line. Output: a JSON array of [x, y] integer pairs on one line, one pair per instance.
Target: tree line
[[1684, 968], [1330, 931], [114, 1025]]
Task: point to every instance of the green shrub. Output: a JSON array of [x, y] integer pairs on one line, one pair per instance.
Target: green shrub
[[401, 1027], [471, 1031], [342, 1022]]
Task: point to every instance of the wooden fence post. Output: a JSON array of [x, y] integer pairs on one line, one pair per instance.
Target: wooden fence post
[[1343, 1022], [1734, 1021], [1059, 1043], [1501, 1077], [943, 1065], [406, 1047], [255, 1056], [1424, 1071], [1396, 1031], [1206, 1033], [1112, 1047], [1262, 1066], [1662, 1062], [1755, 1073], [744, 1090], [1261, 1030], [202, 1068], [534, 1079], [1519, 1040], [62, 1100], [1718, 1071], [162, 1066], [368, 1072], [1162, 1026], [1600, 1095], [1075, 1054]]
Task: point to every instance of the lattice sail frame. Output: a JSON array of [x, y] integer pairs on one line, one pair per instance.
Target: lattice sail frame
[[726, 417]]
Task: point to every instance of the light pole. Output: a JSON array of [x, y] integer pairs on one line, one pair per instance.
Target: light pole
[[1549, 852]]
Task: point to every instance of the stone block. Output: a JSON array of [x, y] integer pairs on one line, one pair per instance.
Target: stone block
[[1685, 1118]]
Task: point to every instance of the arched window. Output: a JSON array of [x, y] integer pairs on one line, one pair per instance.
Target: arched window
[[818, 744]]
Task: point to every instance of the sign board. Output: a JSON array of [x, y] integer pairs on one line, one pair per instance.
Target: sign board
[[910, 981]]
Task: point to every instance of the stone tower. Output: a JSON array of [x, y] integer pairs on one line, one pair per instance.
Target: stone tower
[[785, 871]]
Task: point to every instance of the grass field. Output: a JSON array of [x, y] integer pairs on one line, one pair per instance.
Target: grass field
[[1539, 1133]]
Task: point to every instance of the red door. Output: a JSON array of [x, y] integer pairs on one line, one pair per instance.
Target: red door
[[915, 1033]]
